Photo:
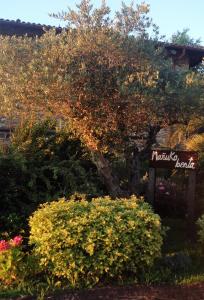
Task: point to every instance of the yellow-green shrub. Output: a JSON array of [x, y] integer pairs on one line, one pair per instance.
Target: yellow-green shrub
[[85, 241]]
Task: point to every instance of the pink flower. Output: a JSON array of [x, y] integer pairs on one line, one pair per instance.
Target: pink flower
[[4, 245], [17, 241]]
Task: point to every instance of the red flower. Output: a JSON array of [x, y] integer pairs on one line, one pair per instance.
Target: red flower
[[17, 241], [4, 245]]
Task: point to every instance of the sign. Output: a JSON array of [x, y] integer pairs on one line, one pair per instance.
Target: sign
[[170, 159]]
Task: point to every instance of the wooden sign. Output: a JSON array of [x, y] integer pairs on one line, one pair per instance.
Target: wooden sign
[[170, 159]]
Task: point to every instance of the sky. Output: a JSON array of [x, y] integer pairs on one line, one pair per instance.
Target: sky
[[169, 15]]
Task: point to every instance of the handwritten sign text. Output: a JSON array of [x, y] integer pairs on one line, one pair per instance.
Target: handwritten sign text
[[174, 159]]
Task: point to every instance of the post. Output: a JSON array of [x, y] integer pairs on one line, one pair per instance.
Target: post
[[191, 201], [151, 186]]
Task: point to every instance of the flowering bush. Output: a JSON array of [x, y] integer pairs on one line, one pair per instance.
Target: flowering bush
[[17, 241], [4, 245], [11, 257], [84, 242]]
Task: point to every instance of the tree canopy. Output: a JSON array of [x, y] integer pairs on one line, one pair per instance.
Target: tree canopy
[[104, 76], [183, 38]]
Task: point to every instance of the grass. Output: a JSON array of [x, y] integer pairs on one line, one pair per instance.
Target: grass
[[9, 293], [182, 260], [177, 238], [187, 258]]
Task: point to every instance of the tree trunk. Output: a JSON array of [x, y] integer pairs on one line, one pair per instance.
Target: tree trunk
[[133, 170], [104, 170]]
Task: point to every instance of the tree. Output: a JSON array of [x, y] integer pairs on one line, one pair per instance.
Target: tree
[[106, 78], [183, 38]]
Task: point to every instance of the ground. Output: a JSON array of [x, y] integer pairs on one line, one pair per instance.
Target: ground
[[190, 292]]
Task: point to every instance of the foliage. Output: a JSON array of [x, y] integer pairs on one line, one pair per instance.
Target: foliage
[[128, 20], [84, 242], [177, 262], [106, 77], [200, 224], [168, 269], [11, 261], [12, 179], [41, 163], [195, 142], [181, 262], [20, 272], [183, 38], [61, 161], [187, 136]]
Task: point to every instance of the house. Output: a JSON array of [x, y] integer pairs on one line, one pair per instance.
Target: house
[[185, 55]]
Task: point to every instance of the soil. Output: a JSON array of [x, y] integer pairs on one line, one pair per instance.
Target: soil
[[136, 292]]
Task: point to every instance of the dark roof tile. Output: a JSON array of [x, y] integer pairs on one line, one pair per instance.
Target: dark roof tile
[[19, 28]]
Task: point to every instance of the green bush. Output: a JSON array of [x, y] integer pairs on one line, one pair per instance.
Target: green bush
[[85, 242], [41, 164], [200, 224]]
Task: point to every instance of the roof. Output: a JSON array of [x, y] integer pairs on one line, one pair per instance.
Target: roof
[[193, 53], [19, 28], [196, 48], [190, 54]]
